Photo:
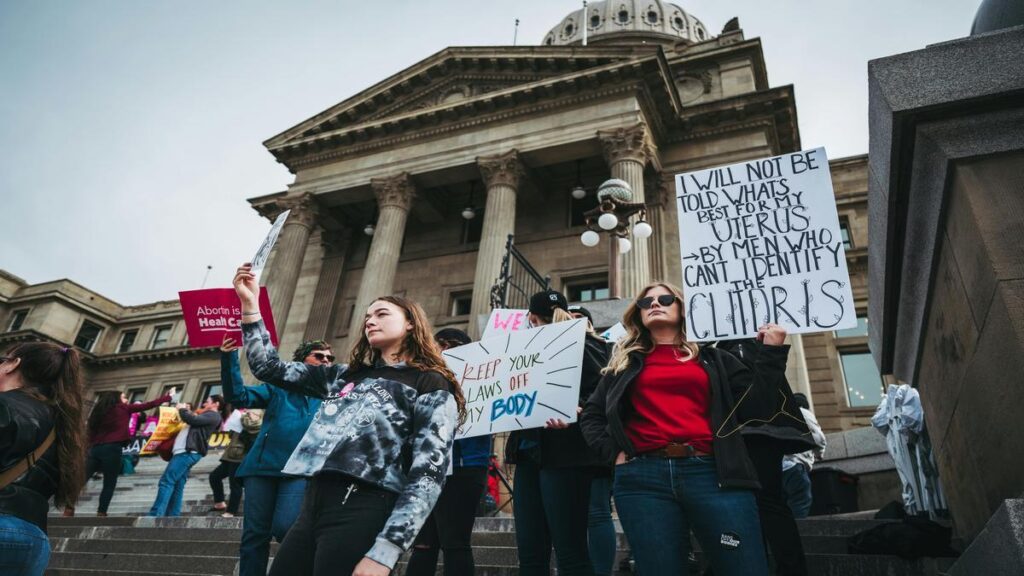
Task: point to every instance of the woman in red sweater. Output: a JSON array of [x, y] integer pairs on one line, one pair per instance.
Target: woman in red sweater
[[108, 431], [669, 414]]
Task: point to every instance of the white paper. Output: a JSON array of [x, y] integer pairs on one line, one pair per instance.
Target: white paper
[[260, 259], [760, 243], [613, 333], [520, 379]]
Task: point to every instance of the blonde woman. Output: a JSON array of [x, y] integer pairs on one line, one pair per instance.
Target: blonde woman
[[669, 415]]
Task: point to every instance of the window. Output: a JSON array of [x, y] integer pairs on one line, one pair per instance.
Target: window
[[844, 233], [679, 22], [136, 395], [209, 389], [88, 334], [167, 389], [652, 17], [587, 290], [17, 319], [459, 302], [595, 21], [161, 335], [623, 16], [860, 330], [864, 386], [127, 340]]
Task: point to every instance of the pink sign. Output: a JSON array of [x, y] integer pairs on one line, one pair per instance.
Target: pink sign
[[212, 313]]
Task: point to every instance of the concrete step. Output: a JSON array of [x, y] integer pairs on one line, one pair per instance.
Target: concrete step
[[184, 563]]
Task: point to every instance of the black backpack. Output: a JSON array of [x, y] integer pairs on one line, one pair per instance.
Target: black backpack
[[910, 539]]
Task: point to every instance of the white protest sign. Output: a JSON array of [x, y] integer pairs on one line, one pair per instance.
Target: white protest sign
[[502, 321], [260, 259], [519, 380], [614, 333], [760, 243]]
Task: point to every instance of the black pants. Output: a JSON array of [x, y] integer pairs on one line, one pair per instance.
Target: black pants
[[217, 476], [105, 458], [777, 523], [450, 526], [332, 534], [552, 508]]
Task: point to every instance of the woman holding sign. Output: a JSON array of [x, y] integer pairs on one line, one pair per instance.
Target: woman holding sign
[[669, 415], [377, 449], [554, 469]]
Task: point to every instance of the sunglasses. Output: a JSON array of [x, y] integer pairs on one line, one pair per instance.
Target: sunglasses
[[665, 300], [321, 356]]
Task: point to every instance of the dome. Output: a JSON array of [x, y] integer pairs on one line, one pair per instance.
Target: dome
[[628, 21]]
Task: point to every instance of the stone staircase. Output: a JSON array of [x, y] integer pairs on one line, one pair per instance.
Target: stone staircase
[[203, 543]]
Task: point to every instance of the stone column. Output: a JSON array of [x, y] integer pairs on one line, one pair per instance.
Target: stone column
[[501, 178], [394, 197], [335, 244], [666, 228], [290, 250], [627, 151]]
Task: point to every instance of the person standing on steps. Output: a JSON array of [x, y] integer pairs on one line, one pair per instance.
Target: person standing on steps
[[190, 446], [796, 468]]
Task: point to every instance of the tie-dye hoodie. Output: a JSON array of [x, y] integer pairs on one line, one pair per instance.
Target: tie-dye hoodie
[[390, 426]]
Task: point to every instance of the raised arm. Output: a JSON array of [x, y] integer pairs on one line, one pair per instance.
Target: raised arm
[[142, 406], [434, 422], [238, 394], [210, 418]]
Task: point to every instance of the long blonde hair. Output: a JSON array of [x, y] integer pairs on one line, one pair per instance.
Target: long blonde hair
[[638, 337]]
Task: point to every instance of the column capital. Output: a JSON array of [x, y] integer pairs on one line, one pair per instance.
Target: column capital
[[304, 209], [502, 169], [398, 191], [626, 144]]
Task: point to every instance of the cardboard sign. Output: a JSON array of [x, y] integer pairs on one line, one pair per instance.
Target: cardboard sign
[[520, 379], [211, 313], [260, 259], [614, 333], [166, 429], [760, 243], [503, 321]]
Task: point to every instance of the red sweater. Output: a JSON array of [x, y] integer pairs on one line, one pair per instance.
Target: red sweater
[[671, 403], [114, 426]]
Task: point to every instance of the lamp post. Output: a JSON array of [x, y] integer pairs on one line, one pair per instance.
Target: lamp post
[[612, 216]]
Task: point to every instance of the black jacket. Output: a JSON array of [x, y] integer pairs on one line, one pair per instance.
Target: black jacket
[[729, 379], [565, 448], [786, 426], [24, 424], [200, 427]]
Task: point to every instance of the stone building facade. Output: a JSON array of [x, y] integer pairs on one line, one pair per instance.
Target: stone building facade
[[508, 132]]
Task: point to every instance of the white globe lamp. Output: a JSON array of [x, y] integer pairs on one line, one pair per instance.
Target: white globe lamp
[[590, 238], [642, 230], [607, 221], [625, 245]]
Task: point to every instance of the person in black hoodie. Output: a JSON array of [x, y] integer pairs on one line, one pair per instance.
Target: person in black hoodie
[[554, 469], [189, 448], [669, 415], [42, 448]]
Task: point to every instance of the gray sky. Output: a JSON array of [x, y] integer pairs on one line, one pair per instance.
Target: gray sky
[[130, 132]]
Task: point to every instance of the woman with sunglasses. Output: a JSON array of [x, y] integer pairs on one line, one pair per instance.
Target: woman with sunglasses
[[378, 448], [554, 469], [42, 448], [669, 415]]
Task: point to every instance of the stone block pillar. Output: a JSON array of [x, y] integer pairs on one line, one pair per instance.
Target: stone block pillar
[[501, 177], [627, 151], [336, 244], [394, 197], [290, 251]]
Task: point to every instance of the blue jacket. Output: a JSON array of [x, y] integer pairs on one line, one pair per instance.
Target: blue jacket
[[474, 451], [287, 416]]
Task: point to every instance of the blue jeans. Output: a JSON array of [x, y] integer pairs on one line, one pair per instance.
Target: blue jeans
[[24, 548], [272, 503], [601, 532], [797, 484], [172, 484], [551, 508], [660, 500]]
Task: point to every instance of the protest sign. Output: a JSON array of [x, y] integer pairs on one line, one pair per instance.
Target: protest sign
[[211, 313], [503, 321], [166, 428], [520, 379], [760, 243], [260, 259], [614, 333]]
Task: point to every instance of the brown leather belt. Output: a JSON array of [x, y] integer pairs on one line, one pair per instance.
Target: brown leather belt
[[674, 450]]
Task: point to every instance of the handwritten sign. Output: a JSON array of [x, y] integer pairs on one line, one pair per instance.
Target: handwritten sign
[[760, 243], [520, 379], [503, 321], [166, 429], [613, 333], [210, 314], [263, 253]]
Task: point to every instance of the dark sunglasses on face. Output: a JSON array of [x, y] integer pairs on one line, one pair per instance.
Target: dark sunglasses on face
[[665, 300], [320, 356]]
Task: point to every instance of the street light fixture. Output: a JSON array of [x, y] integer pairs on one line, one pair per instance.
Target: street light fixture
[[612, 216]]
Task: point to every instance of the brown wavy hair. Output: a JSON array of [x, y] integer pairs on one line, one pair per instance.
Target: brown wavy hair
[[419, 349], [638, 338], [53, 374]]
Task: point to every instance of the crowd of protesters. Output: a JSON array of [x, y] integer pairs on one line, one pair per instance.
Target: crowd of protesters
[[350, 464]]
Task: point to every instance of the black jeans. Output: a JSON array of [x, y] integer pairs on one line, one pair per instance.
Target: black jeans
[[217, 476], [777, 522], [332, 533], [105, 458], [552, 507], [450, 526]]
